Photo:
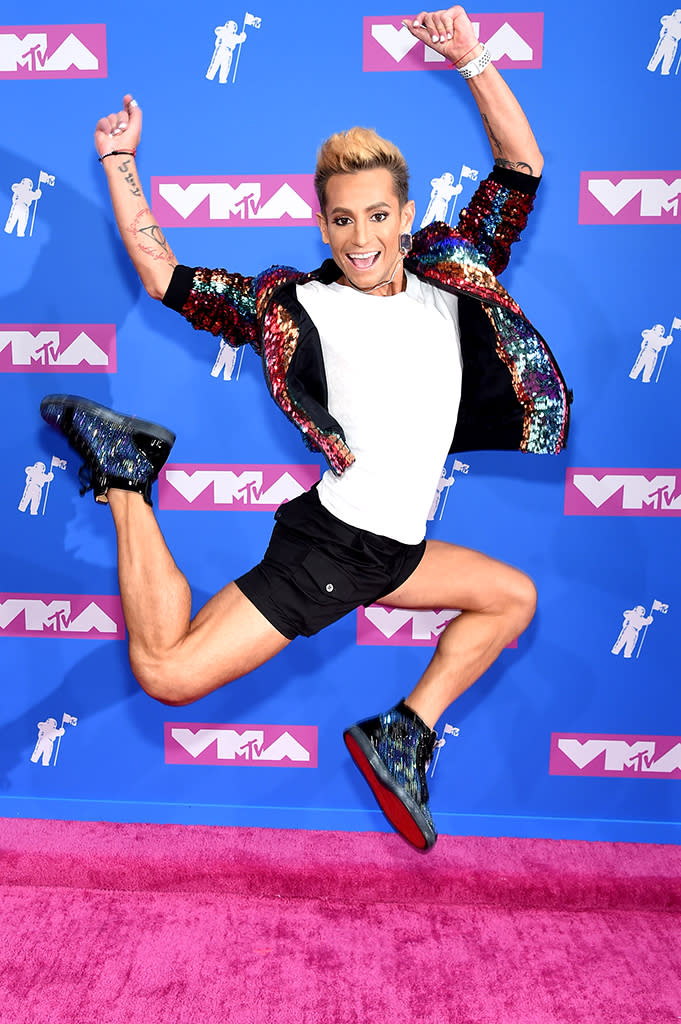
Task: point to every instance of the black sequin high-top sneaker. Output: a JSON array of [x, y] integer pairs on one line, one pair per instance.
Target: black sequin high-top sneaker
[[393, 751], [118, 451]]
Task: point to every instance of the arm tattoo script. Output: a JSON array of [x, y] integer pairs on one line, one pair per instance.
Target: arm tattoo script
[[130, 178], [493, 139]]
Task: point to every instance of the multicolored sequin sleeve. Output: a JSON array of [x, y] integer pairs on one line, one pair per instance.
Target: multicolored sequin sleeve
[[497, 214], [215, 301]]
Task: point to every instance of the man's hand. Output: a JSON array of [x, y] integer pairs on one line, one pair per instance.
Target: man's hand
[[448, 32], [119, 131]]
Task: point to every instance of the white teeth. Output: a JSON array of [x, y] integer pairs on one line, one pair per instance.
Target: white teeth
[[362, 257]]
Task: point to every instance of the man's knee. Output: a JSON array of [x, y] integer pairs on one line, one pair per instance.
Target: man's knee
[[516, 598], [522, 598]]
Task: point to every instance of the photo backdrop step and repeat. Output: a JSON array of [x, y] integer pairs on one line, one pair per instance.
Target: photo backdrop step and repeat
[[576, 730]]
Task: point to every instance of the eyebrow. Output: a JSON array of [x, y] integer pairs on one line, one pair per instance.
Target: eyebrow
[[374, 206]]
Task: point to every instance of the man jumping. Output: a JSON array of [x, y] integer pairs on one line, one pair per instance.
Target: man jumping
[[337, 347]]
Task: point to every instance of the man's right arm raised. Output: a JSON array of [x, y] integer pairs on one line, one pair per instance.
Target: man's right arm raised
[[144, 240]]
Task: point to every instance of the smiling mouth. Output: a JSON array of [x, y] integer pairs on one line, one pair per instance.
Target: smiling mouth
[[362, 260]]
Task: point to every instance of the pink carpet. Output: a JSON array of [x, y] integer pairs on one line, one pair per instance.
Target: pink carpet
[[168, 924]]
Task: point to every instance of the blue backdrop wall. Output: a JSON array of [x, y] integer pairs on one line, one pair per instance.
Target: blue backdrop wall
[[573, 731]]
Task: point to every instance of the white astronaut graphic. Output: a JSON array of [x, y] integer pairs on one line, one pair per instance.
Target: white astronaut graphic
[[653, 342], [37, 476], [227, 39], [443, 485], [23, 194], [635, 619], [226, 361], [443, 190], [667, 44], [48, 732], [449, 730]]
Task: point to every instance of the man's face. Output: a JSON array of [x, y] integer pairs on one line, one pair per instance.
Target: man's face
[[362, 223]]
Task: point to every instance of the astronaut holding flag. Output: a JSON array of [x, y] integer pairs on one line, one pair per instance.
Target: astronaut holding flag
[[227, 38], [636, 619], [653, 341]]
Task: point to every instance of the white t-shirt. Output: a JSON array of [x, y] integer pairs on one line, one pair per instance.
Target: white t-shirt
[[393, 371]]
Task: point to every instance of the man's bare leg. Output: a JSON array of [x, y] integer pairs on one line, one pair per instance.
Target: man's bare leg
[[177, 660], [392, 749], [497, 603]]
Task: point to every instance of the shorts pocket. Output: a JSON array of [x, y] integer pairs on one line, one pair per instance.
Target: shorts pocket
[[326, 579]]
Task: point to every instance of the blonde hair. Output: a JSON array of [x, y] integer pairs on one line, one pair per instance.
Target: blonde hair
[[360, 149]]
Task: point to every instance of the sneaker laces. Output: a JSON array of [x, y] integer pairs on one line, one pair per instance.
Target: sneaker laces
[[424, 754]]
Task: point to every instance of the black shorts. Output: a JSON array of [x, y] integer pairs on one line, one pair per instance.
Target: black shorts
[[317, 568]]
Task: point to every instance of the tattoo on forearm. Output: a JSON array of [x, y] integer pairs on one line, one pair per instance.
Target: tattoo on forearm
[[155, 235], [519, 165], [501, 161], [493, 139], [154, 232], [130, 178]]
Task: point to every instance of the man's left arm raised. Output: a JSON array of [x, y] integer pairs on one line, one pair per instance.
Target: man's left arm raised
[[450, 33]]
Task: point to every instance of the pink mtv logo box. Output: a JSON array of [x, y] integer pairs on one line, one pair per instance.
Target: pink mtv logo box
[[515, 40], [598, 491], [269, 746], [601, 755], [76, 616], [630, 197], [52, 51], [57, 348], [223, 488], [383, 626], [264, 200]]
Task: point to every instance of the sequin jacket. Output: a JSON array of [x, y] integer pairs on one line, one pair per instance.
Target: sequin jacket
[[513, 394]]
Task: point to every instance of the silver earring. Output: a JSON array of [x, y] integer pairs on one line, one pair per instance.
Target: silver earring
[[405, 244]]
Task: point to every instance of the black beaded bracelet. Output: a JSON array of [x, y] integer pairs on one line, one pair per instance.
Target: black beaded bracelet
[[118, 152]]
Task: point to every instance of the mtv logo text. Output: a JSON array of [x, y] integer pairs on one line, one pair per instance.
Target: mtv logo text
[[52, 51], [514, 41], [622, 757], [54, 348], [265, 200], [219, 488], [272, 746], [623, 492], [70, 616], [630, 197], [382, 626]]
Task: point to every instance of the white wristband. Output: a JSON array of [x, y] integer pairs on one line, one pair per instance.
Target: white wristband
[[476, 66]]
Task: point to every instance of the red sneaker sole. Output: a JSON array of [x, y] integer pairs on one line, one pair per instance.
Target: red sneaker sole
[[393, 808]]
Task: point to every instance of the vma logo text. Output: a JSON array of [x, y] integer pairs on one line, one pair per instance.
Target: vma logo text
[[514, 41], [52, 348], [624, 757], [630, 197], [52, 51], [273, 746], [623, 492], [268, 200], [380, 625], [226, 488], [65, 615]]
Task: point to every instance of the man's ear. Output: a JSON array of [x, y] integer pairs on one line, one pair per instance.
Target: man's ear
[[321, 221], [407, 214]]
